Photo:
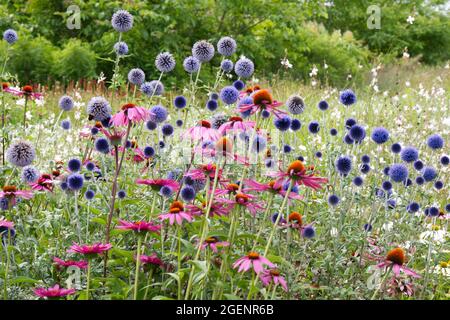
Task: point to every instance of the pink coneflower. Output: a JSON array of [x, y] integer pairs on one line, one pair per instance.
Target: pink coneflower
[[53, 292], [205, 171], [11, 193], [300, 175], [223, 148], [115, 137], [247, 200], [213, 242], [97, 248], [176, 214], [252, 260], [44, 183], [82, 264], [6, 224], [262, 100], [395, 258], [252, 185], [217, 209], [139, 226], [27, 92], [202, 131], [273, 276], [157, 184], [153, 260], [130, 112], [236, 124]]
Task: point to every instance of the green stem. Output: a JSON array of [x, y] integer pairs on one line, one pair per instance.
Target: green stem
[[138, 260]]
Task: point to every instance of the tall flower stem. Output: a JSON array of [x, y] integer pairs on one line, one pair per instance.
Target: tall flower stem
[[138, 260], [25, 113], [3, 107], [88, 278], [5, 282], [269, 205], [179, 262], [77, 216], [381, 284]]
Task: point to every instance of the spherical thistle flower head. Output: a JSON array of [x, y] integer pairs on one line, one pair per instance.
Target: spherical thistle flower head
[[122, 21], [259, 144], [203, 51], [367, 227], [165, 62], [158, 114], [66, 124], [433, 212], [151, 125], [435, 141], [314, 127], [358, 181], [418, 165], [398, 172], [413, 207], [226, 65], [438, 185], [239, 84], [333, 132], [90, 166], [409, 154], [229, 95], [265, 114], [295, 104], [179, 123], [75, 181], [214, 96], [244, 68], [30, 174], [380, 135], [167, 129], [10, 36], [136, 76], [301, 158], [180, 102], [65, 103], [357, 132], [365, 168], [295, 124], [64, 186], [386, 185], [4, 204], [318, 154], [102, 145], [166, 191], [391, 203], [89, 194], [226, 46], [121, 48], [74, 165], [386, 170], [283, 123], [365, 159], [323, 105], [98, 109], [333, 200], [447, 207], [287, 148], [191, 64], [396, 148], [445, 160], [106, 122], [21, 154], [420, 181], [121, 194], [348, 139], [269, 163], [429, 173], [149, 152], [347, 97], [212, 105], [152, 88], [343, 164], [308, 232], [187, 193]]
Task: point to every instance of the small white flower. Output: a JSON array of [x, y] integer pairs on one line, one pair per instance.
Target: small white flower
[[410, 19]]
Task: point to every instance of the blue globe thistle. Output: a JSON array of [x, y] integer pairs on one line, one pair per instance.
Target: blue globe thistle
[[65, 103], [343, 164], [447, 207], [396, 148], [348, 139], [409, 154], [295, 104], [269, 163], [286, 187], [308, 232], [314, 127], [198, 185], [212, 105], [179, 123], [64, 186], [166, 191], [106, 123], [386, 170], [433, 212], [158, 114], [445, 160], [121, 194], [295, 125], [357, 132], [128, 144], [413, 207], [435, 142], [333, 200], [10, 36], [398, 172], [203, 51], [94, 131], [301, 158], [439, 185], [214, 96], [274, 219], [365, 168], [318, 154], [167, 129], [418, 165], [152, 88], [136, 76], [323, 105], [187, 193], [180, 102], [30, 174], [420, 181], [75, 181], [283, 123], [350, 122], [239, 85], [191, 64], [287, 148], [151, 125], [244, 68], [161, 144], [102, 145], [265, 114], [90, 166], [333, 132], [391, 203], [380, 135], [149, 152], [408, 182], [175, 174], [66, 124], [165, 62], [226, 65], [4, 204], [98, 109], [259, 144], [20, 154], [429, 173], [74, 165], [347, 97], [358, 181], [365, 159], [121, 48], [367, 227], [386, 185], [226, 46], [229, 95], [89, 194], [122, 21]]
